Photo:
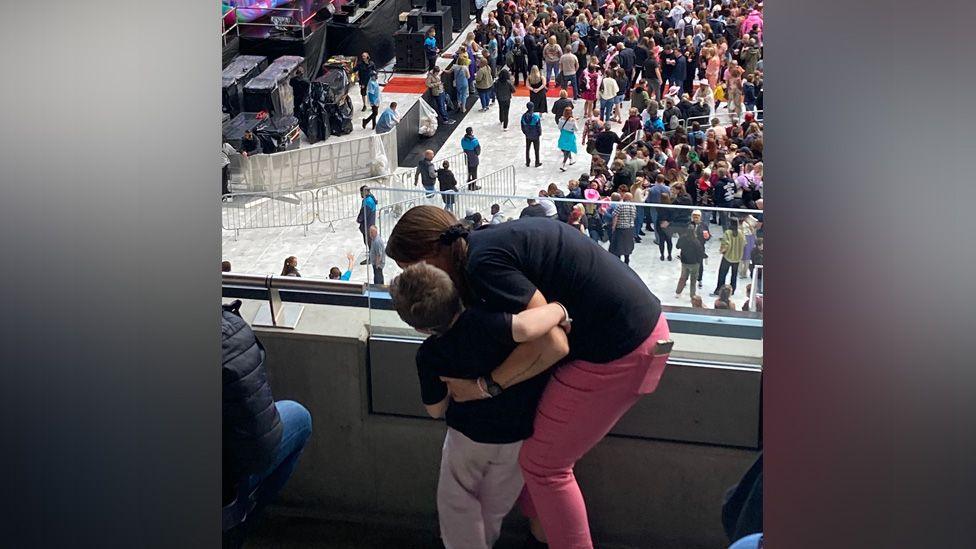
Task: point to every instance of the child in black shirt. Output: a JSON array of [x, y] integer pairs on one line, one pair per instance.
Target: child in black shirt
[[479, 477]]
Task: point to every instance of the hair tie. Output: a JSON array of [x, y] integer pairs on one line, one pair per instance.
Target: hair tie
[[452, 234]]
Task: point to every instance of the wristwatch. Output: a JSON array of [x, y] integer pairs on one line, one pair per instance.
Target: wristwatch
[[493, 389]]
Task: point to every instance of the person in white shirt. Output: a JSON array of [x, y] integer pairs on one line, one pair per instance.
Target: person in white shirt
[[547, 204], [496, 215]]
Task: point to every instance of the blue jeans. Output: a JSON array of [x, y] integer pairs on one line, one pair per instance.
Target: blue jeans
[[296, 425], [594, 235], [574, 80], [442, 105], [639, 225], [485, 96], [462, 98], [551, 69], [431, 192], [606, 108]]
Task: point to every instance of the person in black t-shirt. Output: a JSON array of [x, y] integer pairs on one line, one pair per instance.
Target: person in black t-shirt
[[479, 474], [523, 264]]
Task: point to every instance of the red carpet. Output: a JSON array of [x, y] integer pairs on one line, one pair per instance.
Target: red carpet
[[405, 84], [523, 91]]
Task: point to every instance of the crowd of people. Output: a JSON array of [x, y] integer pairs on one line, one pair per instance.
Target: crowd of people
[[657, 80]]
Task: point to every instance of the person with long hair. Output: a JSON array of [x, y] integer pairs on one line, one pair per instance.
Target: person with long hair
[[567, 137], [503, 92], [537, 89], [291, 267], [724, 298], [732, 248], [521, 264], [591, 78]]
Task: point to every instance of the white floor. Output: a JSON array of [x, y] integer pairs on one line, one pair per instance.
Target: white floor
[[264, 251]]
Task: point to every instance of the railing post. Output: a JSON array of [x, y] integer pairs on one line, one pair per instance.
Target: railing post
[[275, 313]]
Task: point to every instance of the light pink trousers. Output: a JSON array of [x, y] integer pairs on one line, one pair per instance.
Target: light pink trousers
[[478, 486], [580, 405]]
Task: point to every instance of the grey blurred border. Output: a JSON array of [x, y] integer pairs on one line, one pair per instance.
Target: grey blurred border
[[868, 408], [110, 244]]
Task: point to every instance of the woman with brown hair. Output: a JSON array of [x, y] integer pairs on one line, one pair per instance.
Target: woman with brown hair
[[567, 137], [522, 264], [291, 267]]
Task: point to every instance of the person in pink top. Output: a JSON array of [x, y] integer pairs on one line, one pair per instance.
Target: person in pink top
[[754, 19]]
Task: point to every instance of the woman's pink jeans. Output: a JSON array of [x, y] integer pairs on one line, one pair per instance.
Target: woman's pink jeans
[[582, 402]]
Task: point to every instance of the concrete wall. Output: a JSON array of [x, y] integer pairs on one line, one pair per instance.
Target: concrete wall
[[375, 467]]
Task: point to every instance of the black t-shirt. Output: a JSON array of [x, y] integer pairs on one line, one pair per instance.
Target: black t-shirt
[[612, 309], [535, 210], [477, 343], [605, 141]]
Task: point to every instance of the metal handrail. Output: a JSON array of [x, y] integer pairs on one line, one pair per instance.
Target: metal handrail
[[292, 283]]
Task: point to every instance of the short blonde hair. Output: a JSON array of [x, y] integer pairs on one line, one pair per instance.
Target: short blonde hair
[[425, 297]]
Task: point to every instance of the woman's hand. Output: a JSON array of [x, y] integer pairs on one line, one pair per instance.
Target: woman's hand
[[464, 390]]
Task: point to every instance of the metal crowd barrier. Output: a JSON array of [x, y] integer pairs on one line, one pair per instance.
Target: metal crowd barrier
[[321, 164], [268, 210], [724, 118], [496, 187], [342, 201]]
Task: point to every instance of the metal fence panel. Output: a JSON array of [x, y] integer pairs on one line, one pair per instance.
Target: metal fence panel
[[268, 210]]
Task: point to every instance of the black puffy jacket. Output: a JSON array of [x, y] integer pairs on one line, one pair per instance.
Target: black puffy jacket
[[251, 426]]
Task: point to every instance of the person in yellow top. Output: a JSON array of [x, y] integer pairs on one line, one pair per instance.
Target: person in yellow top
[[732, 246]]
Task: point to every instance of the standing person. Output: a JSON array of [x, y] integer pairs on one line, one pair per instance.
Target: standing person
[[531, 124], [364, 69], [367, 213], [373, 96], [436, 87], [430, 48], [377, 255], [691, 252], [591, 85], [551, 54], [226, 151], [701, 228], [732, 246], [479, 474], [503, 91], [472, 151], [559, 106], [569, 65], [622, 229], [519, 60], [448, 186], [611, 364], [567, 137], [537, 89], [388, 119], [662, 225], [460, 71], [604, 143], [652, 74], [608, 95], [426, 172], [291, 267], [734, 80], [483, 82]]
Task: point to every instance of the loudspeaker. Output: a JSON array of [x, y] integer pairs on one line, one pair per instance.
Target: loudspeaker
[[409, 49], [460, 12]]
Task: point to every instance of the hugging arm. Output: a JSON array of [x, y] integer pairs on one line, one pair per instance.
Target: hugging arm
[[527, 361]]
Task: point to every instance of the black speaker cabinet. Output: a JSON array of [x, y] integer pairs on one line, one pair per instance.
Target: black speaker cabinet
[[409, 49], [460, 12]]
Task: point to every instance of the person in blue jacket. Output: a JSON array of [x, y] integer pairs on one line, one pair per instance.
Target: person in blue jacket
[[532, 128], [336, 274], [430, 49], [472, 150], [367, 213]]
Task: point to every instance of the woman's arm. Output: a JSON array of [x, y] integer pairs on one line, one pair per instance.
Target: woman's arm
[[534, 323], [526, 361]]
